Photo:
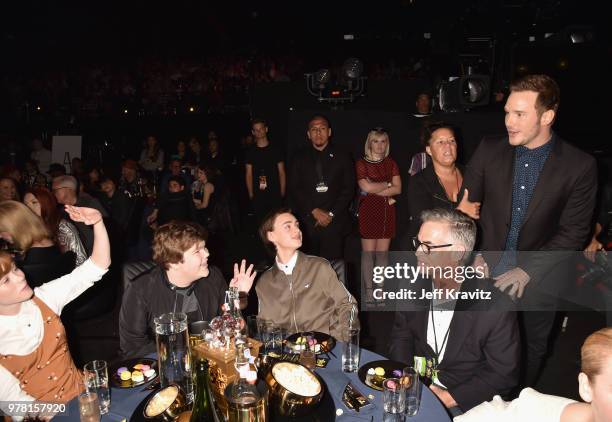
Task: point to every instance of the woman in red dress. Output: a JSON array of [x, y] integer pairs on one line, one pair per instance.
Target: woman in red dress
[[379, 181]]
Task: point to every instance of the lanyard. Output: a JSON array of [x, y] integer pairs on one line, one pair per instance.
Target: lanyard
[[433, 324]]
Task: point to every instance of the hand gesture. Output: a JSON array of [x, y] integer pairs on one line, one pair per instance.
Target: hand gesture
[[88, 216], [323, 219], [471, 209], [591, 250], [516, 279], [480, 263], [243, 277]]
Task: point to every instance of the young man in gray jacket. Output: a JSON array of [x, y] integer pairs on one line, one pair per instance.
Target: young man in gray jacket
[[301, 292]]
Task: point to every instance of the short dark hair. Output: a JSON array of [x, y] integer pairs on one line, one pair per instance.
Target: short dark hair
[[257, 120], [429, 127], [549, 94], [267, 225], [319, 117], [177, 179]]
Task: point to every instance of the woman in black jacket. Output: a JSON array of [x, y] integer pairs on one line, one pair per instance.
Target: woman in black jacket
[[436, 186]]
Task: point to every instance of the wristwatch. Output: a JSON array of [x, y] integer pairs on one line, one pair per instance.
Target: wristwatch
[[389, 184], [331, 214]]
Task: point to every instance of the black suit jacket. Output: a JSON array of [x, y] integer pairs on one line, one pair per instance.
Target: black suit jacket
[[339, 176], [561, 209], [482, 353]]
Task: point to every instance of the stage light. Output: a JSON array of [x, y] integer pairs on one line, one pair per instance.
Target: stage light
[[352, 68], [125, 111], [465, 93], [38, 108], [322, 78], [349, 84], [191, 109]]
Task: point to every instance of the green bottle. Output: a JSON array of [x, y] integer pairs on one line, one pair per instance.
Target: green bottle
[[202, 405]]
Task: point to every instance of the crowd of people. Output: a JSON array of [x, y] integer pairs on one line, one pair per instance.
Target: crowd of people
[[527, 191]]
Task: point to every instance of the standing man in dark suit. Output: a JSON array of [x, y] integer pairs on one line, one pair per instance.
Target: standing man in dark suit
[[321, 187], [538, 194], [474, 341]]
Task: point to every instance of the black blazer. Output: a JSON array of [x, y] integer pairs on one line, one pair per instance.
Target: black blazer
[[339, 175], [425, 193], [482, 354], [561, 209]]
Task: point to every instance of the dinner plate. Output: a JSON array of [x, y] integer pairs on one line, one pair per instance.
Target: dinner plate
[[129, 364], [375, 381], [326, 341]]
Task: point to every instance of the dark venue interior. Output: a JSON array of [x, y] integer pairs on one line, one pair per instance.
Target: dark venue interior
[[107, 95]]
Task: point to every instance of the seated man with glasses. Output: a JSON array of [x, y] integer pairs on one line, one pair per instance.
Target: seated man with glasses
[[463, 329]]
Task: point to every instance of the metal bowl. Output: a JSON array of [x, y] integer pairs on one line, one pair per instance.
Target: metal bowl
[[167, 403], [285, 399]]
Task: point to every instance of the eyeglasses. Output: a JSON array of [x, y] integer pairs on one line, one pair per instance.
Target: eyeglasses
[[426, 246]]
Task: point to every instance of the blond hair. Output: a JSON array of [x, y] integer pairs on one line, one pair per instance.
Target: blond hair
[[376, 133], [594, 352], [22, 224]]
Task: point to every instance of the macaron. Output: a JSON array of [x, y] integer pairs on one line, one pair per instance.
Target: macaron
[[379, 371], [138, 366], [149, 373], [126, 375], [137, 376], [144, 367], [121, 370]]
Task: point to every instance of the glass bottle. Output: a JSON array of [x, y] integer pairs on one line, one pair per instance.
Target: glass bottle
[[202, 405], [234, 310], [244, 391]]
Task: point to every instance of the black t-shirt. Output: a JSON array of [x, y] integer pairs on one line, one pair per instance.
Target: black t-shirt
[[265, 169]]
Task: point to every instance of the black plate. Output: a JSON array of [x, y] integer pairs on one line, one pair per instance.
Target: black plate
[[388, 365], [328, 342], [129, 364]]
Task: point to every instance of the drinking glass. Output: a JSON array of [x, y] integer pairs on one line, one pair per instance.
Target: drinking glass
[[173, 354], [253, 327], [350, 351], [394, 396], [96, 381], [412, 386], [308, 357], [89, 405]]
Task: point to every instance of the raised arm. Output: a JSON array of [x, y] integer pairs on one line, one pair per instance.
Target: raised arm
[[100, 254]]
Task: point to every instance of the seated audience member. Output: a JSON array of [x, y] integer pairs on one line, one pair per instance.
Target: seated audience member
[[63, 232], [8, 189], [174, 170], [35, 364], [182, 281], [118, 205], [40, 258], [128, 184], [301, 292], [594, 389], [175, 204], [65, 189], [475, 342]]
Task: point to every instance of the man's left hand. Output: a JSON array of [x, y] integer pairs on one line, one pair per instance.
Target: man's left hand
[[516, 279], [444, 396], [243, 277]]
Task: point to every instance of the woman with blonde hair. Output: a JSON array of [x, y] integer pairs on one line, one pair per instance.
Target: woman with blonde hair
[[41, 259], [379, 181]]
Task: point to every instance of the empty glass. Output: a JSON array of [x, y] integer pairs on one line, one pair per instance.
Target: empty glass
[[350, 351], [96, 380], [412, 386], [394, 397]]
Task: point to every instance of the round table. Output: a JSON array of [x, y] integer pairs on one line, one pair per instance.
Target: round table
[[125, 401]]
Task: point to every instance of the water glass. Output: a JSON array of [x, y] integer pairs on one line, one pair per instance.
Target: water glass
[[350, 351], [253, 327], [394, 396], [174, 358], [89, 405], [96, 382], [412, 386], [308, 357]]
